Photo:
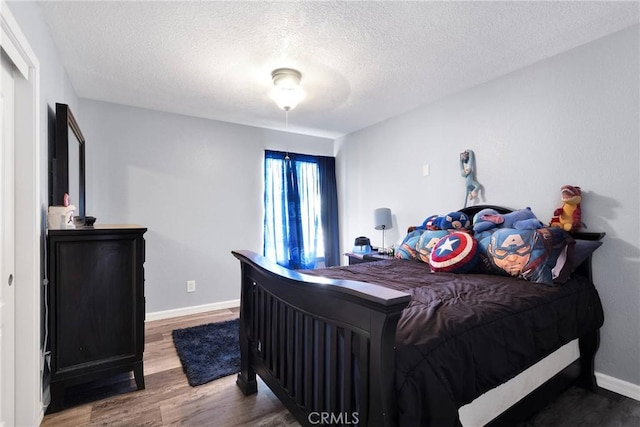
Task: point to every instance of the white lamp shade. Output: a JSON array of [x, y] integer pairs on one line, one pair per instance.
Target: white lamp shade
[[382, 219], [287, 99], [287, 91]]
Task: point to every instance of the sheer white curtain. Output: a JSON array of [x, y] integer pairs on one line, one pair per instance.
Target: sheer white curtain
[[292, 226]]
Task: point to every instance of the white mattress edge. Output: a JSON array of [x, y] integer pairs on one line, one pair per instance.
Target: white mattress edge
[[494, 402]]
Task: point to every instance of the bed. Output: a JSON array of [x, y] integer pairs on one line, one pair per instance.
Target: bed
[[390, 343]]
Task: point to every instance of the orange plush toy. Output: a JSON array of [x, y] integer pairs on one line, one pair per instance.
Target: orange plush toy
[[568, 216]]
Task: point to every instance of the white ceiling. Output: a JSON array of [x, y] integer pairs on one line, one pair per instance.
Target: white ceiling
[[362, 62]]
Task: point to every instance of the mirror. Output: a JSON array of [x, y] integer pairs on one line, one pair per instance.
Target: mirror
[[68, 161]]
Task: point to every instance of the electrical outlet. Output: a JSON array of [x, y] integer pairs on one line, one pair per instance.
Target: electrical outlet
[[191, 285]]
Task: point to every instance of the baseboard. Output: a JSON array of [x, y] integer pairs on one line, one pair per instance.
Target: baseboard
[[40, 416], [615, 385], [196, 309]]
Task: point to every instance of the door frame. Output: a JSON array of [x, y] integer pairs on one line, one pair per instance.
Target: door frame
[[29, 227], [7, 244]]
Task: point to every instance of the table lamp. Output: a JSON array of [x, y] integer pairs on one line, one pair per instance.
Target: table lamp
[[382, 221]]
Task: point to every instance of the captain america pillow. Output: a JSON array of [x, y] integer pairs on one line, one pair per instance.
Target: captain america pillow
[[454, 253], [407, 249], [427, 241], [544, 255]]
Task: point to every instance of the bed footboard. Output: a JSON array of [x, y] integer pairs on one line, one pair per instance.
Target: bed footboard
[[324, 347]]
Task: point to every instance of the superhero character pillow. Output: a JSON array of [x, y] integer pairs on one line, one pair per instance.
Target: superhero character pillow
[[407, 249], [454, 253], [544, 255], [426, 242], [451, 221]]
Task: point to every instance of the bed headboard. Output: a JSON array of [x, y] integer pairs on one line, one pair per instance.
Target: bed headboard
[[472, 210]]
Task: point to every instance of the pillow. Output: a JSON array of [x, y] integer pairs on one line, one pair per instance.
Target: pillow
[[407, 249], [426, 242], [544, 255], [583, 250], [455, 253]]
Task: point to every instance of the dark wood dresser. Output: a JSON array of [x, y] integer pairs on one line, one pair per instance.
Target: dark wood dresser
[[96, 305]]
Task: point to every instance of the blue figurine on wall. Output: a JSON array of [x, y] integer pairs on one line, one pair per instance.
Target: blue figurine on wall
[[468, 170]]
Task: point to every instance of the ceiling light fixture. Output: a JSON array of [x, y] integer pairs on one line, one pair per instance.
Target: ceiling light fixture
[[287, 91]]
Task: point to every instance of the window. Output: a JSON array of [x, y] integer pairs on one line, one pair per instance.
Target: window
[[295, 222]]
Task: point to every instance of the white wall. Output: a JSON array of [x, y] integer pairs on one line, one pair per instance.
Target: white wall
[[54, 81], [570, 119], [196, 184]]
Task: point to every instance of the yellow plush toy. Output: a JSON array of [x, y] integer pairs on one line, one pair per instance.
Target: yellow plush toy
[[568, 216]]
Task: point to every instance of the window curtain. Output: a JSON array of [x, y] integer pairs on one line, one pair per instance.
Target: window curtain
[[298, 221], [329, 210]]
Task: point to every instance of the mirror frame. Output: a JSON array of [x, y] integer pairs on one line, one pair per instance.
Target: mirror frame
[[60, 159]]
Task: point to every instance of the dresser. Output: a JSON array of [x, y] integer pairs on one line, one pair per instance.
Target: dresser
[[96, 305]]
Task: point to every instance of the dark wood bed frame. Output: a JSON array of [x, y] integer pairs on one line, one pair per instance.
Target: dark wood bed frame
[[326, 346]]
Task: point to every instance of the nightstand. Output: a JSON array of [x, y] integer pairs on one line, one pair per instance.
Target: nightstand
[[370, 257]]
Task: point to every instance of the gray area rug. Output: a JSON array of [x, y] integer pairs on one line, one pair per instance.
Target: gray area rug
[[208, 352]]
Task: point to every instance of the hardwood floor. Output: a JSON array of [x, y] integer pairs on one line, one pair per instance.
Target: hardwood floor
[[168, 400]]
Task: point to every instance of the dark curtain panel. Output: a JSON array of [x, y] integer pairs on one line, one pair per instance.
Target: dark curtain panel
[[293, 219], [329, 210]]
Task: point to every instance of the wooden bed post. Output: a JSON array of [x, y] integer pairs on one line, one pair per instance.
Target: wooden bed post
[[247, 376], [588, 346], [382, 397], [326, 348], [589, 343]]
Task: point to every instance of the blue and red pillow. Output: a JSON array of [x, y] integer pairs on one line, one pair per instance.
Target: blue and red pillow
[[544, 255], [428, 239], [455, 253], [407, 249]]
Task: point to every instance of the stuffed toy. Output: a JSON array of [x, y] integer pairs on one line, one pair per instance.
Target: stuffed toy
[[522, 219], [468, 170], [427, 224], [452, 221], [568, 216]]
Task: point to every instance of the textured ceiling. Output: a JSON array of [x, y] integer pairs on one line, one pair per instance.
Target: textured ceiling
[[362, 62]]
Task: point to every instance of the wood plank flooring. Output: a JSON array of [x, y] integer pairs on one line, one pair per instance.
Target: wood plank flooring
[[168, 400]]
